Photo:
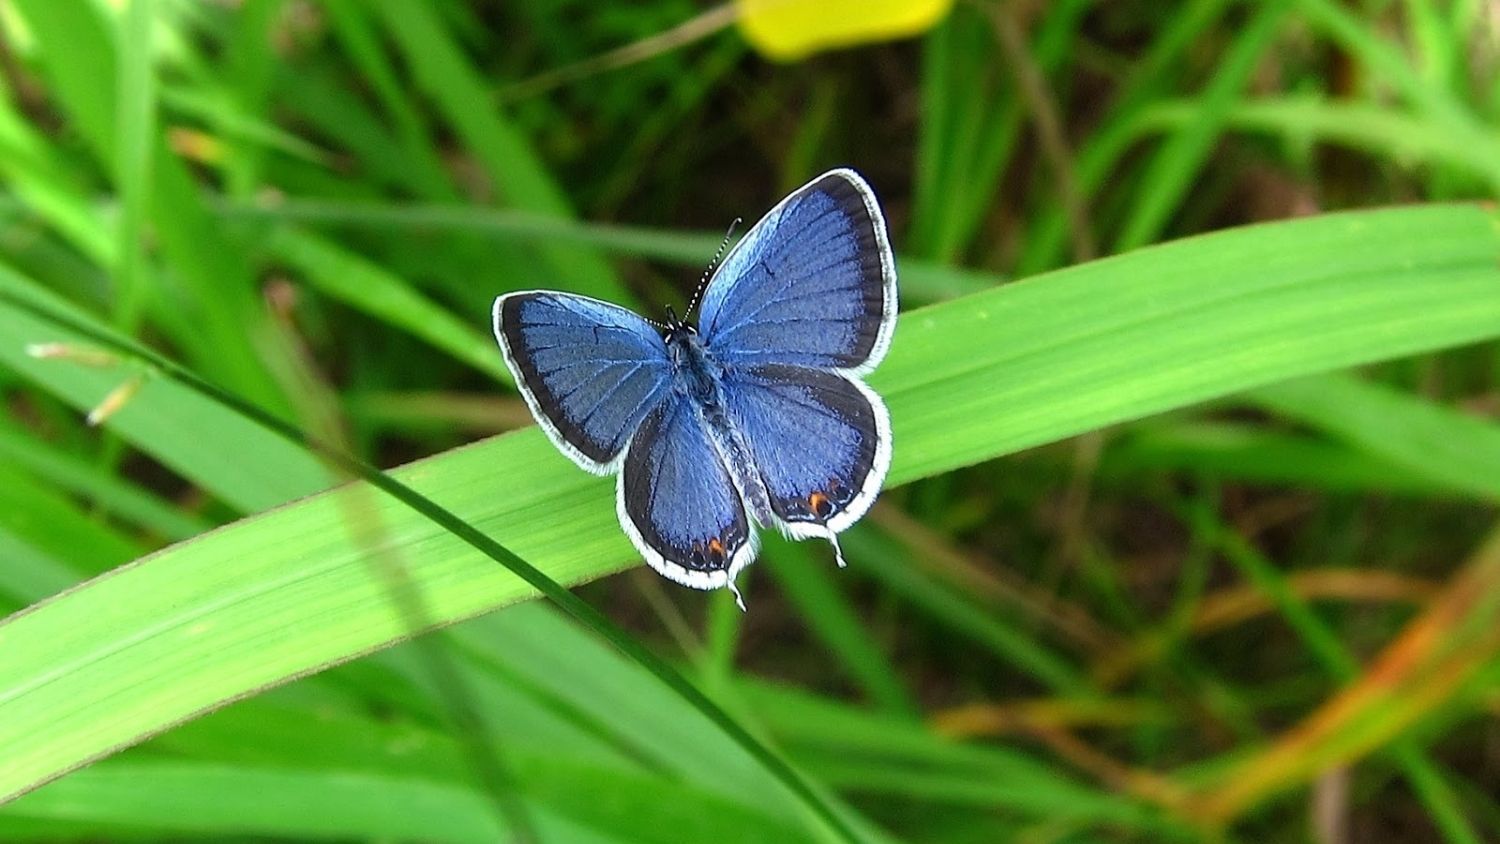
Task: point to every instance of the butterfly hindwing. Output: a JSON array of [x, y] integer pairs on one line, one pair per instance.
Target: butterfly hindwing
[[812, 284], [678, 502], [821, 443], [590, 371]]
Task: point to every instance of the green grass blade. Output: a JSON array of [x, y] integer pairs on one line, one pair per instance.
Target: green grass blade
[[1175, 166], [921, 280], [812, 587], [1012, 643], [1137, 334], [352, 279], [79, 51], [968, 380], [446, 76], [187, 798], [53, 524], [1323, 644], [66, 471], [1462, 452], [135, 126], [1251, 453], [189, 434]]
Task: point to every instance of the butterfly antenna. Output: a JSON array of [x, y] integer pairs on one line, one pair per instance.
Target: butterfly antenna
[[708, 272]]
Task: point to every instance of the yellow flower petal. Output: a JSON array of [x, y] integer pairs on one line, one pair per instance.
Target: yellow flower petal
[[790, 29]]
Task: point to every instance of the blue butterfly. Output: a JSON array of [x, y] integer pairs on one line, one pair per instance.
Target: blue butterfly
[[758, 416]]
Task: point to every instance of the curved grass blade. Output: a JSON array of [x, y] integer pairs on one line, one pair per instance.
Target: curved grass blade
[[172, 635]]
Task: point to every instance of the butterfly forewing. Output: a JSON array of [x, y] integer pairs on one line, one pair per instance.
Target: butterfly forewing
[[812, 284], [589, 370]]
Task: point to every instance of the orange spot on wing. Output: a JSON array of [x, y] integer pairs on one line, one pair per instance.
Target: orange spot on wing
[[820, 505]]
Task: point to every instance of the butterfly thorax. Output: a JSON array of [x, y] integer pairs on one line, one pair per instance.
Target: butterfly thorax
[[695, 370]]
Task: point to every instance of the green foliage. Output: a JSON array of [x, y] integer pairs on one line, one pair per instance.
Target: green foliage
[[1252, 578]]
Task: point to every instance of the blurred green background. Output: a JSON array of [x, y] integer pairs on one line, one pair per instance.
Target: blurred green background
[[1129, 583]]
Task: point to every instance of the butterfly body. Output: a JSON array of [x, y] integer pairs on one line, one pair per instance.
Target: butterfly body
[[700, 378], [757, 416]]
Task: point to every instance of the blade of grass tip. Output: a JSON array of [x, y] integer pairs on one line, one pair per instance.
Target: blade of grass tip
[[1175, 166], [798, 785], [807, 582], [135, 129]]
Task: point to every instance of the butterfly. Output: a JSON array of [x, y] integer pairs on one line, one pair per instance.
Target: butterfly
[[757, 416]]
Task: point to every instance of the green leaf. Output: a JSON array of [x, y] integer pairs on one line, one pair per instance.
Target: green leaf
[[291, 590]]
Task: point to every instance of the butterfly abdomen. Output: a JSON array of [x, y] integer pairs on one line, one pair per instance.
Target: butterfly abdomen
[[737, 456]]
